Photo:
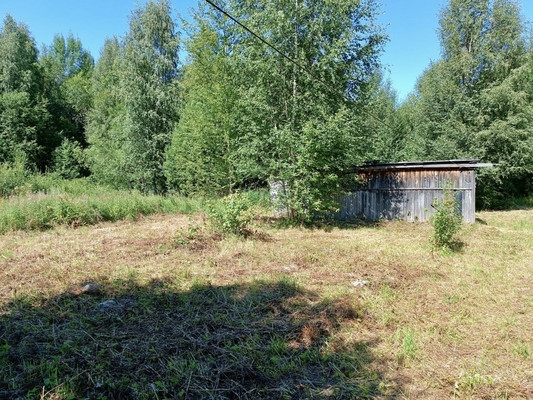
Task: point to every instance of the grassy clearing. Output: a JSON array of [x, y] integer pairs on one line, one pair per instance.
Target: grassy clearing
[[207, 341], [343, 312]]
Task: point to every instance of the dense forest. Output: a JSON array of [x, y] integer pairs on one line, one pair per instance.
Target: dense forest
[[293, 91]]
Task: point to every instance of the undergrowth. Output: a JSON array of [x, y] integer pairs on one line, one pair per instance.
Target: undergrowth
[[518, 203], [232, 214], [73, 205]]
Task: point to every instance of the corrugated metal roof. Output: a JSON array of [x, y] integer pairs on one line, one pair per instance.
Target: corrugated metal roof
[[440, 164]]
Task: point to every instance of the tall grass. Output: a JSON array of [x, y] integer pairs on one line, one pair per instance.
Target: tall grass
[[38, 202], [44, 201]]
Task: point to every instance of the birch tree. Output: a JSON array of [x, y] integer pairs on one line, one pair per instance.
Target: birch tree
[[106, 153], [149, 75], [299, 102], [475, 101]]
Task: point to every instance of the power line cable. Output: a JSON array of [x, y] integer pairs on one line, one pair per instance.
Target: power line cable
[[277, 50], [307, 70], [255, 34]]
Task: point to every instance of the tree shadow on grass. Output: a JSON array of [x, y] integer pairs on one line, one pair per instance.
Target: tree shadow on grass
[[264, 340]]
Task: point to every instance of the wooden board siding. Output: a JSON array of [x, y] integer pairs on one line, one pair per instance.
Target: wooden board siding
[[408, 191]]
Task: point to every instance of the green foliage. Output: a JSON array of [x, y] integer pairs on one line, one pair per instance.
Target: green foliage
[[518, 202], [189, 235], [136, 100], [66, 58], [320, 154], [251, 116], [408, 348], [283, 113], [476, 101], [202, 155], [238, 114], [106, 154], [23, 113], [505, 138], [18, 65], [442, 115], [148, 76], [13, 175], [21, 121], [51, 183], [482, 39], [46, 201], [233, 214], [69, 160], [446, 220], [42, 101], [385, 130], [67, 69]]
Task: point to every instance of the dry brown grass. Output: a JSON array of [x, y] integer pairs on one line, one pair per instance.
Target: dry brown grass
[[433, 326]]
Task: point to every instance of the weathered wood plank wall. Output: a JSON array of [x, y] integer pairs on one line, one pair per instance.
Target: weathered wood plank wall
[[408, 191]]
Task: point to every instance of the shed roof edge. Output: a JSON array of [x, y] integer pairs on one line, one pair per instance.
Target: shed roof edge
[[439, 164]]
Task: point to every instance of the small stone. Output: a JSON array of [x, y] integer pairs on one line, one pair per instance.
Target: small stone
[[114, 305], [108, 304], [91, 288], [291, 267]]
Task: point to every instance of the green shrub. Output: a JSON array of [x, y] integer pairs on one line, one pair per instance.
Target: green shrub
[[69, 160], [232, 214], [13, 176], [446, 220], [189, 235]]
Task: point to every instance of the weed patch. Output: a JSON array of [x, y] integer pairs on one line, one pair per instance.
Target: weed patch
[[232, 214], [407, 347]]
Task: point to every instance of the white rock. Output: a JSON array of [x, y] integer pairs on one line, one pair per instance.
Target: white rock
[[91, 288]]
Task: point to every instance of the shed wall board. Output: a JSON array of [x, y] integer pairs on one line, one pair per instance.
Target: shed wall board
[[408, 194]]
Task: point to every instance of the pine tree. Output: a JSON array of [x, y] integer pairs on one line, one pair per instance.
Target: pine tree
[[202, 156]]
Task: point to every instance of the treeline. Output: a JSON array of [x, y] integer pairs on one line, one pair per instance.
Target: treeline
[[474, 102], [237, 113]]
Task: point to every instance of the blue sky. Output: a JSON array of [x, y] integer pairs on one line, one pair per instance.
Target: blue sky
[[411, 24]]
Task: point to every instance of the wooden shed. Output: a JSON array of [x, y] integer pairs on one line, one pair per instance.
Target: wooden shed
[[407, 190]]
